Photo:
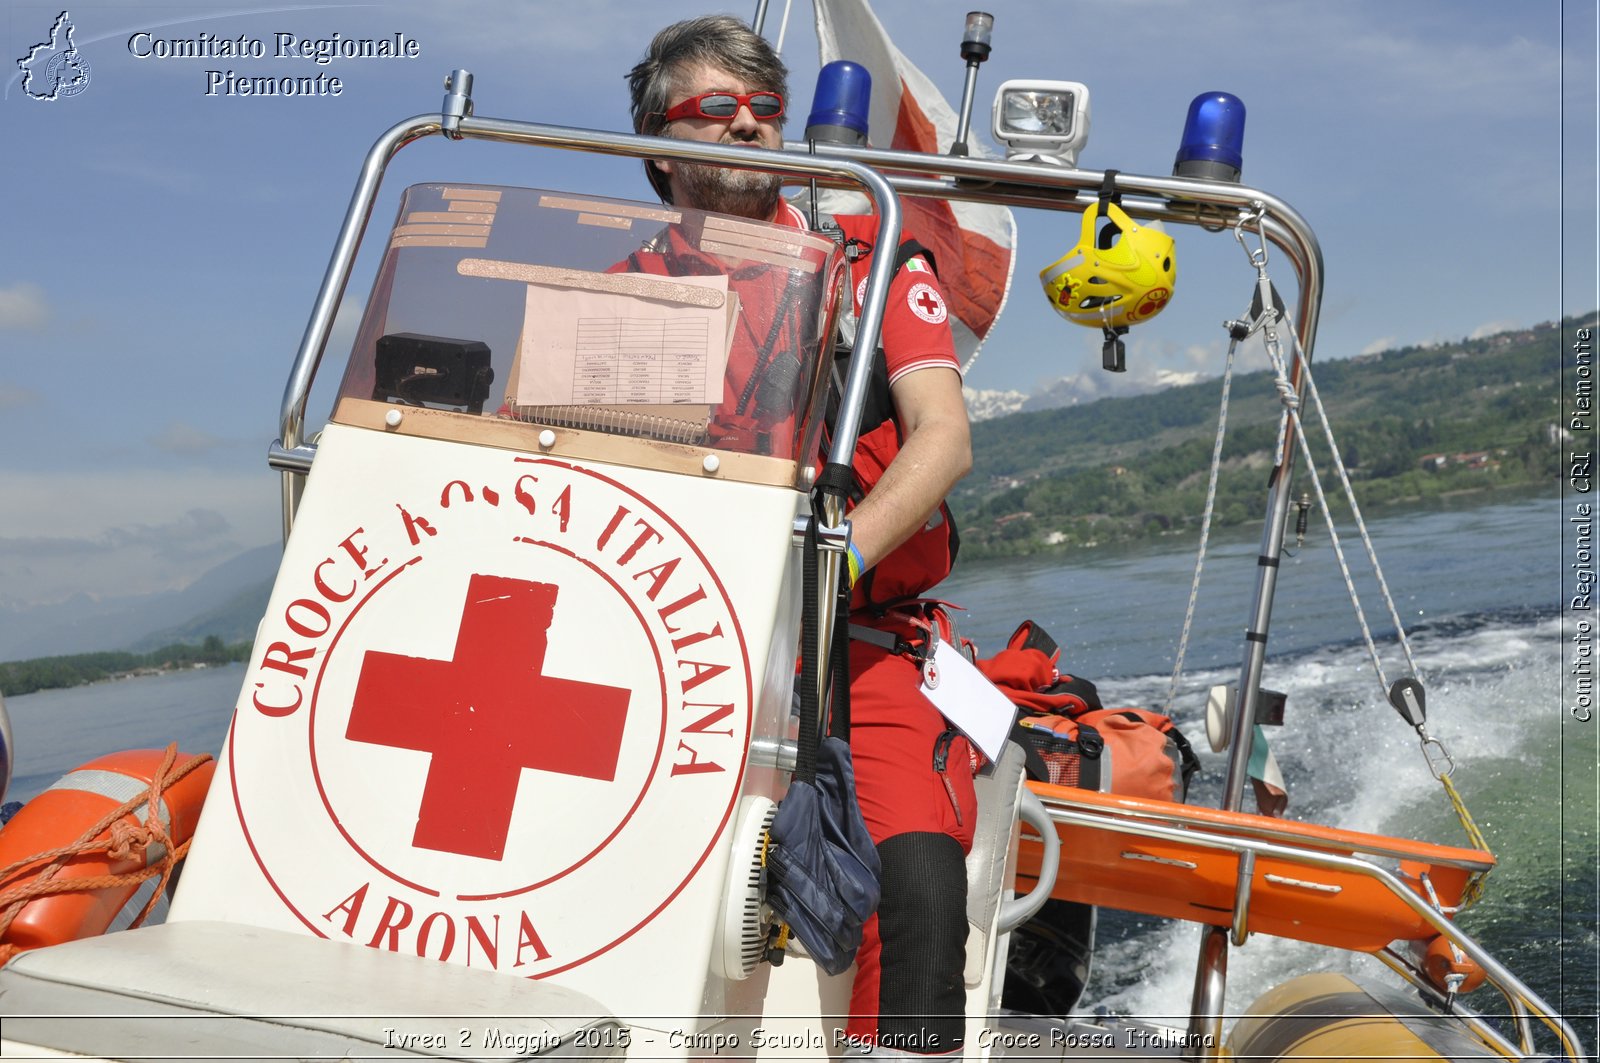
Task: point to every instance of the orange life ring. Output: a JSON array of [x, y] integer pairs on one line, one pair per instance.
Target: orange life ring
[[69, 863]]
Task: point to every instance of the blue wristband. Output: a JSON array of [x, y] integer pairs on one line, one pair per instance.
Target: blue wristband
[[856, 562]]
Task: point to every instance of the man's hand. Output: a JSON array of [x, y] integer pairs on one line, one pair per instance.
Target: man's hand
[[936, 452]]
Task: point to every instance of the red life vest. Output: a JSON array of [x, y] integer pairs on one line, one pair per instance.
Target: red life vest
[[757, 412], [926, 558]]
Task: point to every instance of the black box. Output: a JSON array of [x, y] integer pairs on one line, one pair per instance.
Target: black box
[[433, 370]]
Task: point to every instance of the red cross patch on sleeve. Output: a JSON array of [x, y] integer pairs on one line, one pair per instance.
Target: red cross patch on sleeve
[[926, 302]]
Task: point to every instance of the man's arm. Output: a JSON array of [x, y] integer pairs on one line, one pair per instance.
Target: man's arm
[[936, 452]]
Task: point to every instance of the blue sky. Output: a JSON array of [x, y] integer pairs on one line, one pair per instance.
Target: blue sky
[[163, 247]]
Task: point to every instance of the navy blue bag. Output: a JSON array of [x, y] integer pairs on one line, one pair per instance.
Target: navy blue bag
[[822, 866]]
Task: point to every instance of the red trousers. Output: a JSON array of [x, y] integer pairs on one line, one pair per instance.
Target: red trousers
[[912, 778]]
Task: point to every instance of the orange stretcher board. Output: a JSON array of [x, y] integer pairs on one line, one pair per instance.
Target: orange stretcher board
[[1104, 861]]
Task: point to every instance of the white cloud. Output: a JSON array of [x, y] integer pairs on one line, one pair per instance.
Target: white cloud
[[173, 538], [15, 396], [1386, 55], [1075, 388], [142, 171], [984, 403], [1171, 378], [186, 440], [85, 503], [1386, 343], [1490, 328], [103, 533], [23, 306], [538, 28]]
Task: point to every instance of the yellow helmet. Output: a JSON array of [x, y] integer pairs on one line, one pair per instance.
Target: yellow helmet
[[1111, 287]]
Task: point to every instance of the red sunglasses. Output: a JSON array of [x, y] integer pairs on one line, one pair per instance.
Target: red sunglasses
[[723, 106]]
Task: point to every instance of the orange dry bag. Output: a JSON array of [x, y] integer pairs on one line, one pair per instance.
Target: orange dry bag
[[71, 858]]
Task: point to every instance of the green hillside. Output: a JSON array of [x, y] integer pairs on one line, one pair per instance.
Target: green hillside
[[48, 673], [1484, 413]]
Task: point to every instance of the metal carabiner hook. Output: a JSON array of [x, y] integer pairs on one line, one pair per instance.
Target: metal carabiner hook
[[1258, 215], [1434, 752]]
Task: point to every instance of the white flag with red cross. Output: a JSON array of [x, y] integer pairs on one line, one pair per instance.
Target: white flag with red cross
[[974, 244]]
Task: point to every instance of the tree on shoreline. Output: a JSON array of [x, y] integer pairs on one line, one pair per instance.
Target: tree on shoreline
[[51, 673]]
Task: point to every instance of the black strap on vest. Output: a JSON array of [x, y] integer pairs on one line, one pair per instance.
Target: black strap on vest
[[879, 405]]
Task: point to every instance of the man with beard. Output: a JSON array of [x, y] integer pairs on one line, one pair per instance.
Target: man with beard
[[715, 80]]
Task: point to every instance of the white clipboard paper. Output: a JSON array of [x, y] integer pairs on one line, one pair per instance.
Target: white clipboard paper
[[610, 344], [973, 705]]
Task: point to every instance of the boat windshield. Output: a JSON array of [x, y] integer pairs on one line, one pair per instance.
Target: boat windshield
[[549, 310]]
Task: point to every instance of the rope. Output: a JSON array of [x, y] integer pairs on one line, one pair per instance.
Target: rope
[[783, 27], [1290, 405], [123, 841], [1461, 809], [1355, 510], [1474, 887], [1205, 529], [1269, 309]]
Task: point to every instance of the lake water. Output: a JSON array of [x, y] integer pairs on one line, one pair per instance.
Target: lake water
[[1478, 586]]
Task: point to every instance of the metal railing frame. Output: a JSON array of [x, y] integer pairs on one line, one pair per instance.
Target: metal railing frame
[[885, 174], [293, 457], [1523, 1001]]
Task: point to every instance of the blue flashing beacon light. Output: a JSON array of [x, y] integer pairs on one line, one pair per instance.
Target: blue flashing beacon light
[[840, 106], [1213, 138]]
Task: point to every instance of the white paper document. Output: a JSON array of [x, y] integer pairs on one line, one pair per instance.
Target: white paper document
[[972, 704], [583, 346]]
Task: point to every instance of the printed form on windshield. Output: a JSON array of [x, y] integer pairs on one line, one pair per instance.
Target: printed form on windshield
[[973, 705], [622, 338]]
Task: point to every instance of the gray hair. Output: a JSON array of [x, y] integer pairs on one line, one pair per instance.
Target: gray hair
[[721, 41]]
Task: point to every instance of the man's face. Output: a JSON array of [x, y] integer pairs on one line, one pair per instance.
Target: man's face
[[746, 193]]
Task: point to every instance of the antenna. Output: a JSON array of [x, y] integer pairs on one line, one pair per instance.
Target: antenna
[[975, 48]]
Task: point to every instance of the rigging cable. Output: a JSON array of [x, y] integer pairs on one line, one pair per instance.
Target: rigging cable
[[783, 27], [1205, 518], [1269, 310]]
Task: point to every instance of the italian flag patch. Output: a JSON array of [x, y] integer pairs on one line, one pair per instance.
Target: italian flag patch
[[916, 265]]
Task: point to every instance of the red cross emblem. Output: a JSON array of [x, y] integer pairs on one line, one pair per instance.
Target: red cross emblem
[[926, 303], [487, 714]]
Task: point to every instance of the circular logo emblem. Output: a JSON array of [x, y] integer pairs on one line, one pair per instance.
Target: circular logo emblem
[[926, 303], [479, 718], [1151, 304], [66, 74], [861, 292]]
